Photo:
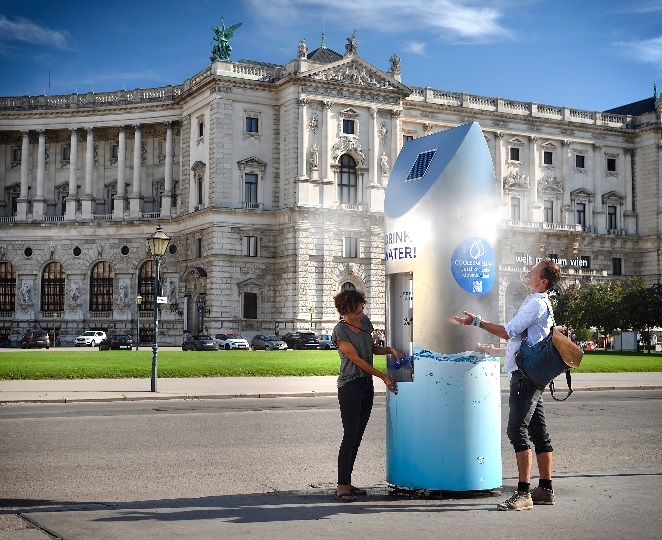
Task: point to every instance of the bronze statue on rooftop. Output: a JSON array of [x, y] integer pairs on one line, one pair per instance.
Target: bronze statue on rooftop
[[221, 42]]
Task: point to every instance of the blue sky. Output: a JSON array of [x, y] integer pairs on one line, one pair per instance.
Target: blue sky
[[585, 54]]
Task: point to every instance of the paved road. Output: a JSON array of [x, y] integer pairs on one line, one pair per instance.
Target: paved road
[[264, 468]]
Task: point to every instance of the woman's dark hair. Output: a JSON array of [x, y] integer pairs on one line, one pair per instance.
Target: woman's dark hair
[[348, 300], [551, 272]]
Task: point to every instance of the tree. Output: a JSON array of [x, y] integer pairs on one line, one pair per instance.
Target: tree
[[568, 309], [602, 306]]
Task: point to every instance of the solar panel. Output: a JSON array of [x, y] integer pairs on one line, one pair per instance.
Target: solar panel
[[420, 166]]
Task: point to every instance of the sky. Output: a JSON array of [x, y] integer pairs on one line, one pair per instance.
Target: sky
[[583, 54]]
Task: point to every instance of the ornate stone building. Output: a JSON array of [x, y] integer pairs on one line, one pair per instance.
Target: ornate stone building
[[270, 181]]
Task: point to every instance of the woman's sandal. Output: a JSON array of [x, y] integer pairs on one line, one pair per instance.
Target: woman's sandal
[[358, 491], [345, 497]]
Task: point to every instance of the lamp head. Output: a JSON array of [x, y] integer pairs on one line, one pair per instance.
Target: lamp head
[[158, 243]]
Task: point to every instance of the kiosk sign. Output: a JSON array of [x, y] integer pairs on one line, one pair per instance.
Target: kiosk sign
[[473, 266]]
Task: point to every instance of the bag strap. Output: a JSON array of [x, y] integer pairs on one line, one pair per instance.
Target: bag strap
[[568, 380]]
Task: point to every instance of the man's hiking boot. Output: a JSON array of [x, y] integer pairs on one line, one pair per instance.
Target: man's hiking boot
[[519, 501], [541, 495]]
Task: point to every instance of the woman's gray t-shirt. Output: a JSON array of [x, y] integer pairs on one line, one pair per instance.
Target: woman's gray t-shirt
[[362, 342]]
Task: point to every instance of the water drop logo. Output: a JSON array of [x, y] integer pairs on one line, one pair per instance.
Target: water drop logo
[[473, 266]]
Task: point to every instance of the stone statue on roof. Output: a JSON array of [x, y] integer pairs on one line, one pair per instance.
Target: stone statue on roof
[[221, 42], [303, 49], [395, 64], [352, 47]]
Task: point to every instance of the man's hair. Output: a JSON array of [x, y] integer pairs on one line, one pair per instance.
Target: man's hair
[[551, 272], [348, 300]]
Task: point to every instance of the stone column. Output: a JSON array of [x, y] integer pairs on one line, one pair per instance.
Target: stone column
[[22, 203], [70, 214], [498, 167], [565, 182], [373, 142], [39, 201], [166, 200], [328, 190], [87, 198], [118, 207], [303, 139], [533, 150], [134, 198]]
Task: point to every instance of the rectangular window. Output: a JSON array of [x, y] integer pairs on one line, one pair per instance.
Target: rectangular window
[[198, 248], [250, 246], [351, 248], [251, 124], [250, 189], [514, 209], [579, 161], [66, 153], [617, 266], [201, 128], [407, 138], [16, 154], [611, 218], [514, 154], [581, 214], [548, 211], [250, 305], [115, 151], [348, 126], [547, 158], [611, 164]]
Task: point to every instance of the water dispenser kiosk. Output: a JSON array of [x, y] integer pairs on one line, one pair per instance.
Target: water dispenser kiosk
[[444, 426]]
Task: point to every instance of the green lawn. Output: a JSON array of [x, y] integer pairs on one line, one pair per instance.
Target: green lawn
[[95, 364]]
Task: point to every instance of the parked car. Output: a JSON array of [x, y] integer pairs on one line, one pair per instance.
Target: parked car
[[116, 341], [325, 342], [230, 340], [301, 340], [91, 338], [200, 343], [267, 343], [33, 339]]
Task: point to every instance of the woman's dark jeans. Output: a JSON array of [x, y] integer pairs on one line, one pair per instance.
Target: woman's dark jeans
[[355, 398], [526, 414]]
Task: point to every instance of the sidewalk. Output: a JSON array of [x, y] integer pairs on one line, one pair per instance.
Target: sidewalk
[[75, 390]]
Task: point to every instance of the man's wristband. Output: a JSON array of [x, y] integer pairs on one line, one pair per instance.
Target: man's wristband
[[477, 320]]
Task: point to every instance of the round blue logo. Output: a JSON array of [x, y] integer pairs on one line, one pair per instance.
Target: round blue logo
[[473, 266]]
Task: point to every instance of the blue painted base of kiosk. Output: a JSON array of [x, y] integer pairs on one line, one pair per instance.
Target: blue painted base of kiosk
[[443, 430]]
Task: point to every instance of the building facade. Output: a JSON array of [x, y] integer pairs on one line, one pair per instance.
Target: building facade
[[270, 181]]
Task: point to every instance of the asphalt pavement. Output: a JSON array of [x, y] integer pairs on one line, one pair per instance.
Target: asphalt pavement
[[593, 506]]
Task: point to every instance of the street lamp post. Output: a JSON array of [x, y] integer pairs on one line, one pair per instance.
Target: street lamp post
[[139, 300], [55, 315], [158, 244], [311, 310]]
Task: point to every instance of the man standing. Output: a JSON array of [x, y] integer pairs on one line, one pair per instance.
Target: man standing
[[526, 413]]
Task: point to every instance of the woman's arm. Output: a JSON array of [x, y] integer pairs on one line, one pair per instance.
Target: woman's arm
[[350, 352]]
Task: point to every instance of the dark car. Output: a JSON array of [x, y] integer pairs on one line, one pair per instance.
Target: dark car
[[301, 340], [34, 339], [200, 343], [268, 343], [116, 341]]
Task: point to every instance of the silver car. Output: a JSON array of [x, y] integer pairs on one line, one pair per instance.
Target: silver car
[[267, 343], [325, 342]]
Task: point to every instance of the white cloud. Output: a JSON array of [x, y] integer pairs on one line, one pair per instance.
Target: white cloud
[[25, 30], [456, 19], [648, 51], [415, 47]]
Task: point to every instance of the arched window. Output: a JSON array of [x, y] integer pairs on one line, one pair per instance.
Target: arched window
[[101, 287], [347, 285], [52, 287], [7, 287], [347, 180], [146, 286]]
